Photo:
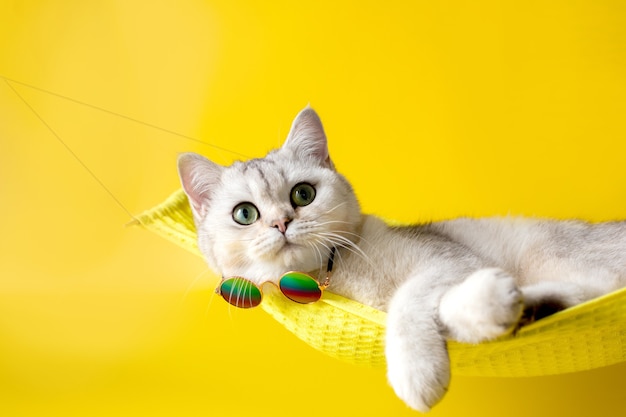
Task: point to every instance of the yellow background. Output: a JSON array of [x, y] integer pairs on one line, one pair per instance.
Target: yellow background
[[433, 110]]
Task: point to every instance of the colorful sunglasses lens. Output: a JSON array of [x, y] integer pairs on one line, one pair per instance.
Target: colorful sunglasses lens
[[300, 288], [240, 292]]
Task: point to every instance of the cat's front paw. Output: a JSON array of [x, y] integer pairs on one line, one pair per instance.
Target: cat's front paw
[[488, 304], [420, 379]]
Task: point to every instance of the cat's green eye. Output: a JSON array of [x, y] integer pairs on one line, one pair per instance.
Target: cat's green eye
[[302, 194], [245, 214]]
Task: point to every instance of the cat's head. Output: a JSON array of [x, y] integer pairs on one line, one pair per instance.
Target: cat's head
[[263, 217]]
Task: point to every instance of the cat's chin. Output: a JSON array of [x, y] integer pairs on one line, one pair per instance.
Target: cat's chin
[[290, 258], [294, 256]]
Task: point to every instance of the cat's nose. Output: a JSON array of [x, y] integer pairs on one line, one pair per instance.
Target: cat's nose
[[281, 224]]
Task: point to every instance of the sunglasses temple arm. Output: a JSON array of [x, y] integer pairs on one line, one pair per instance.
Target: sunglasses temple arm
[[329, 269], [218, 289], [326, 282]]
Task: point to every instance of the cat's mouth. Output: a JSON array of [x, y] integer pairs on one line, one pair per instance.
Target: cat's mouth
[[291, 252], [290, 245], [276, 247]]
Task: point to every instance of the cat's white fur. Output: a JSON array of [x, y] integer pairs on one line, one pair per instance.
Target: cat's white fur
[[467, 279]]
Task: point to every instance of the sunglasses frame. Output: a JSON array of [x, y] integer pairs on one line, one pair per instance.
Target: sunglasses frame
[[321, 286], [228, 296]]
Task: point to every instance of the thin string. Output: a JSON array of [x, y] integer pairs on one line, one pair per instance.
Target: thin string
[[82, 103], [8, 81], [71, 152]]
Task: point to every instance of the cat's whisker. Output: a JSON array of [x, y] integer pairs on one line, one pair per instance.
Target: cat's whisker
[[329, 244], [344, 242], [318, 254], [208, 307], [360, 237], [337, 240], [190, 288], [241, 295], [335, 236], [336, 207], [192, 284], [340, 257], [327, 222], [323, 242]]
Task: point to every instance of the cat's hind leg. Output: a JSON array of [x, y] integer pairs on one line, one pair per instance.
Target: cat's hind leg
[[546, 298], [486, 305]]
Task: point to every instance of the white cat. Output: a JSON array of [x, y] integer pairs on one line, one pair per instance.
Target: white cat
[[465, 280]]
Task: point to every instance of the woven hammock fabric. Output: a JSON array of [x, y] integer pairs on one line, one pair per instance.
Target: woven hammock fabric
[[587, 336]]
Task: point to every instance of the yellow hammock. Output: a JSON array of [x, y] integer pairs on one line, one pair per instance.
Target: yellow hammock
[[587, 336]]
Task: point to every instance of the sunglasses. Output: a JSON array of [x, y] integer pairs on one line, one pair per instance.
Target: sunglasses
[[297, 286]]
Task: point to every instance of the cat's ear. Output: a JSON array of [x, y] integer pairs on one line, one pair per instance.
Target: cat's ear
[[307, 139], [199, 177]]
